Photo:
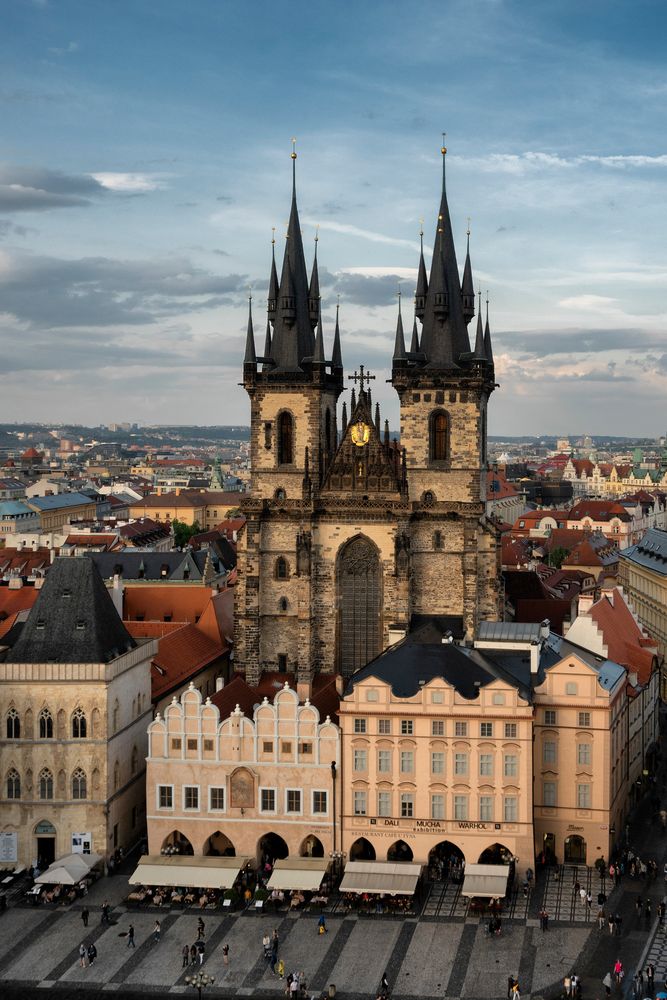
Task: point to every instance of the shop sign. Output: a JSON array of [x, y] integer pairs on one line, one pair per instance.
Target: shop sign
[[8, 847], [574, 829], [82, 843], [44, 827]]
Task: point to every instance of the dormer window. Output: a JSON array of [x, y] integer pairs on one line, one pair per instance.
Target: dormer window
[[80, 626]]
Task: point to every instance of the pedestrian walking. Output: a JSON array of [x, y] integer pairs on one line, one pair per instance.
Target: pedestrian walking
[[225, 954], [130, 936], [650, 977], [589, 901], [92, 953], [607, 983], [266, 945], [661, 913], [193, 954], [185, 952], [201, 927], [582, 896], [618, 923], [201, 948], [281, 969], [510, 986], [619, 972], [601, 918], [156, 931], [272, 961], [638, 906], [85, 913], [321, 925], [610, 923], [647, 911], [82, 955], [104, 919]]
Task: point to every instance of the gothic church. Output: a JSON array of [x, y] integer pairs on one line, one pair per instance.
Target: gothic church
[[352, 538]]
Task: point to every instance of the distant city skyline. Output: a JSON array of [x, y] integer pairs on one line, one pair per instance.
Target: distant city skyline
[[146, 159]]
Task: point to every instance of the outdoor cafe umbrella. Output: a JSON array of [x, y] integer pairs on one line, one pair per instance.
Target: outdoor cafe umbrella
[[55, 876]]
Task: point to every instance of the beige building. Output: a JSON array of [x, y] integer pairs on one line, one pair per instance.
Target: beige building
[[244, 773], [75, 701], [643, 574]]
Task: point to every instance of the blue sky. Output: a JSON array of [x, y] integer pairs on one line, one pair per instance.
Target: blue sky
[[145, 160]]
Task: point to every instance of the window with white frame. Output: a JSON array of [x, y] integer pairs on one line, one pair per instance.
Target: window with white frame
[[384, 761], [511, 765], [583, 796], [190, 797], [437, 697], [584, 719], [486, 730], [437, 727], [510, 730], [460, 728], [460, 807], [460, 763], [360, 760], [384, 803], [549, 716], [549, 794], [407, 727], [267, 800], [407, 761], [165, 796], [319, 802], [437, 762], [293, 800], [437, 806], [407, 805], [486, 808], [360, 725], [549, 752], [216, 798], [384, 727], [583, 753], [486, 764], [510, 808], [359, 802]]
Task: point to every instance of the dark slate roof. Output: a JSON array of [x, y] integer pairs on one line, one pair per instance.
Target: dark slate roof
[[62, 500], [138, 565], [650, 552], [73, 620]]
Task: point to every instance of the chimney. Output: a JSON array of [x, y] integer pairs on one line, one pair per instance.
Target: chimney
[[545, 629], [304, 689], [585, 604], [534, 656], [117, 593], [340, 685], [219, 683]]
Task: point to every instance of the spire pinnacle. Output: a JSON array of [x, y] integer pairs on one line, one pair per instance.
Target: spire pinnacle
[[272, 301], [318, 357], [414, 343], [267, 343], [443, 150], [399, 343], [314, 287], [487, 335], [480, 354], [467, 286], [336, 354], [250, 357], [293, 155]]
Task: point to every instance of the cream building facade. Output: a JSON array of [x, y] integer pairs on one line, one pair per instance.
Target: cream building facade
[[257, 781], [75, 702]]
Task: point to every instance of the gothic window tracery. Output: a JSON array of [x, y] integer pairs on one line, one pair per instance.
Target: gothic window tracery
[[79, 724], [282, 569], [45, 725], [79, 784], [13, 725], [13, 784], [45, 784], [359, 604]]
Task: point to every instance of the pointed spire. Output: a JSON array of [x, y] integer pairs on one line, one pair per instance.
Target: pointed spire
[[480, 353], [250, 357], [467, 287], [314, 287], [377, 418], [353, 402], [344, 419], [319, 356], [272, 301], [414, 343], [336, 355], [386, 434], [399, 343], [487, 335], [422, 280], [267, 343]]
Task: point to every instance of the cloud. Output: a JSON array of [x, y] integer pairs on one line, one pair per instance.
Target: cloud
[[130, 183], [8, 228], [48, 293], [364, 234], [533, 161], [65, 50], [538, 344], [30, 189], [367, 290]]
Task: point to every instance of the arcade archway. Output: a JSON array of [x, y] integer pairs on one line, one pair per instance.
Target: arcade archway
[[219, 846], [445, 860], [176, 843], [362, 850], [575, 850], [312, 847], [400, 851], [271, 847], [496, 854]]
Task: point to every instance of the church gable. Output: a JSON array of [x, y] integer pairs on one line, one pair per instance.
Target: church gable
[[365, 462]]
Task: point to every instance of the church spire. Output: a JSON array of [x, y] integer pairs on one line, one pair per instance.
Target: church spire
[[293, 338], [319, 357], [414, 343], [422, 280], [467, 287], [272, 300], [266, 358], [314, 289], [336, 354], [250, 356], [444, 334], [487, 336], [399, 343], [480, 354]]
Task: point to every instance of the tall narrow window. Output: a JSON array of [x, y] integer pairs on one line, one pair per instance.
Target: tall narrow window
[[13, 784], [13, 724], [285, 439], [45, 784], [438, 436], [79, 784], [45, 725], [79, 725], [282, 571], [359, 585]]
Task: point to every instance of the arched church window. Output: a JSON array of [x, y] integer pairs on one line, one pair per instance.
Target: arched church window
[[282, 604], [428, 498], [79, 724], [285, 438], [438, 436], [45, 725], [13, 724], [79, 784], [282, 569], [359, 585], [280, 494], [13, 784], [45, 784], [437, 539]]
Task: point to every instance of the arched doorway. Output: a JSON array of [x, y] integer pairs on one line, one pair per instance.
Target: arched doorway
[[496, 854], [359, 593], [271, 848], [575, 850], [219, 846], [45, 834], [446, 860], [400, 851], [312, 847], [362, 850], [176, 843]]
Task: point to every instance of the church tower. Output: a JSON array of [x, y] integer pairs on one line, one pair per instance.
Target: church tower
[[351, 537]]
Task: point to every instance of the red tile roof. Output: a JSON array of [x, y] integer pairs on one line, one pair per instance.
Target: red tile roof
[[625, 639], [151, 630], [180, 656], [598, 510], [12, 601], [181, 604], [324, 695]]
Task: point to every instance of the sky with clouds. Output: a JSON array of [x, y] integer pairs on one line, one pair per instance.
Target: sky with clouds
[[145, 160]]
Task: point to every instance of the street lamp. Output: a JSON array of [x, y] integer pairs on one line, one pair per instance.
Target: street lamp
[[199, 982]]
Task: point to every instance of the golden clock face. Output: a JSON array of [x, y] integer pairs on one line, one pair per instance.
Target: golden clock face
[[360, 434]]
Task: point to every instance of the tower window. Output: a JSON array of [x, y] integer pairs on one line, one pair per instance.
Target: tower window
[[282, 569], [437, 539], [283, 604], [285, 439], [438, 436]]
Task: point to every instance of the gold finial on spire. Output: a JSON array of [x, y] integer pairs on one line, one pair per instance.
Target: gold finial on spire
[[294, 147], [273, 236], [468, 233], [421, 227], [443, 148], [317, 233]]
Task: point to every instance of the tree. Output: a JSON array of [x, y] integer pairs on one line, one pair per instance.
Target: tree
[[184, 532], [557, 555]]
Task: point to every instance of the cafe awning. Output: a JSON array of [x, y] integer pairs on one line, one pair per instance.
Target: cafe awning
[[485, 880], [69, 870], [183, 870], [298, 873], [391, 878], [57, 876]]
